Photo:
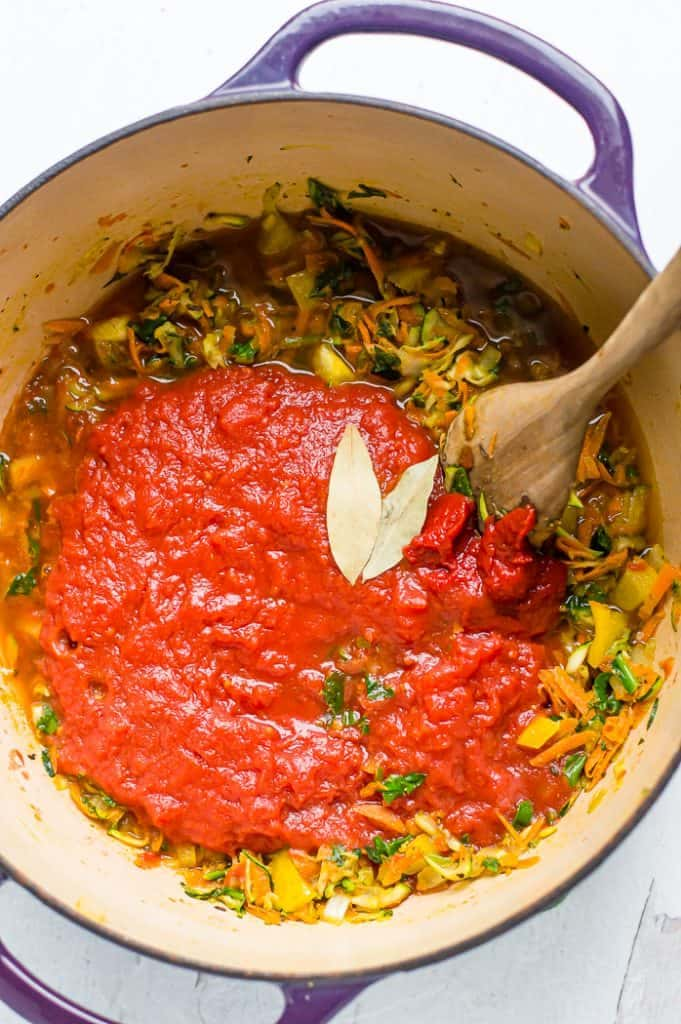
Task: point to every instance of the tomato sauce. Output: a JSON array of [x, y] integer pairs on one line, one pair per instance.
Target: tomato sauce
[[195, 611]]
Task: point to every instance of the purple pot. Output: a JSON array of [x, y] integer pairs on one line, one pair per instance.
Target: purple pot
[[605, 193]]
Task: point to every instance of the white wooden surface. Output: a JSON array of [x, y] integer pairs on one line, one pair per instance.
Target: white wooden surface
[[72, 70]]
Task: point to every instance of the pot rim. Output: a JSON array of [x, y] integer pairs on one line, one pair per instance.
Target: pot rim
[[256, 95]]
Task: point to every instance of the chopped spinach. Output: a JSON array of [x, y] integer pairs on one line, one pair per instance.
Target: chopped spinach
[[324, 197], [386, 364]]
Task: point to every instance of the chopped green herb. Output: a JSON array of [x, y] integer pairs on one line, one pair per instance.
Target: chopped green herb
[[333, 692], [653, 713], [23, 583], [349, 717], [366, 191], [573, 768], [244, 352], [376, 690], [47, 762], [4, 466], [401, 785], [456, 479], [380, 849], [48, 721], [492, 864], [524, 813], [622, 670], [338, 854]]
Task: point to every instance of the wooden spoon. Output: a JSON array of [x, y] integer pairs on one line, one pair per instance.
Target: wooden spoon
[[534, 430]]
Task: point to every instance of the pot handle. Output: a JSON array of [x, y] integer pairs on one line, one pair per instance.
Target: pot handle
[[37, 1003], [608, 181]]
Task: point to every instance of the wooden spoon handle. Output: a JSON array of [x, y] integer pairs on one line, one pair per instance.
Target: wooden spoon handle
[[653, 317]]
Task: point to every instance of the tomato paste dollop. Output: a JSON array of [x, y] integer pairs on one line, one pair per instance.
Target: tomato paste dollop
[[195, 612]]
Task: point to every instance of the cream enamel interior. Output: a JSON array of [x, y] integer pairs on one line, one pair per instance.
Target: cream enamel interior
[[178, 170]]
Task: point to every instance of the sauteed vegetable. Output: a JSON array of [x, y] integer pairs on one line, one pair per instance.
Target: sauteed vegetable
[[329, 749]]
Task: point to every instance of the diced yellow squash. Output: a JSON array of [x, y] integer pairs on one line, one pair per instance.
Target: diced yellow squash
[[328, 365], [9, 652], [27, 469], [634, 585], [408, 860], [112, 330], [290, 888], [538, 732], [609, 626]]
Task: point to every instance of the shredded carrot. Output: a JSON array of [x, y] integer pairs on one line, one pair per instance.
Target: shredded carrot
[[382, 816], [370, 254], [507, 825], [584, 571], [667, 666], [326, 220], [364, 334], [380, 307], [491, 447], [650, 626], [564, 693], [166, 281], [373, 261], [667, 575], [469, 420], [566, 727], [564, 746], [68, 327], [134, 353], [587, 467], [613, 735]]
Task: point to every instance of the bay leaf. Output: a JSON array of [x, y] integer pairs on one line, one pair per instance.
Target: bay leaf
[[353, 507], [403, 514]]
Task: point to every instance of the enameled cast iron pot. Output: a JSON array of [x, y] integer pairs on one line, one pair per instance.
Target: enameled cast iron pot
[[187, 161]]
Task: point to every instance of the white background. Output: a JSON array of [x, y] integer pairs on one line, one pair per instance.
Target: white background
[[71, 71]]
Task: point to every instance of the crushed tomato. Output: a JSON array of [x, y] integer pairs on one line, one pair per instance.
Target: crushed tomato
[[195, 611]]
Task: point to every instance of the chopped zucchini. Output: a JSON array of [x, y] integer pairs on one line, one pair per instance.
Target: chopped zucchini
[[329, 365]]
